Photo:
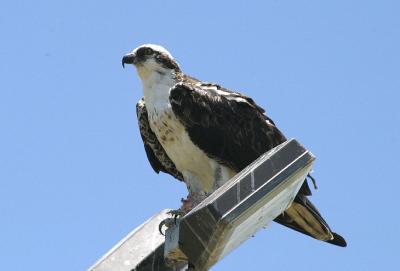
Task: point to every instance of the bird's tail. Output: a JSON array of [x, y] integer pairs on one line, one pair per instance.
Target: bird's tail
[[304, 217]]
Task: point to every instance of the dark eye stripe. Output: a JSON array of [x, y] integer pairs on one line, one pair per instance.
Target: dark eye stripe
[[148, 51], [166, 61], [160, 57], [144, 51]]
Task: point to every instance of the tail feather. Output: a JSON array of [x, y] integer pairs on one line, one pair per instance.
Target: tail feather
[[309, 221], [304, 217], [337, 240]]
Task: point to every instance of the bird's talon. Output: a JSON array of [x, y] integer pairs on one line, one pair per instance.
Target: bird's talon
[[160, 227], [176, 213], [168, 222]]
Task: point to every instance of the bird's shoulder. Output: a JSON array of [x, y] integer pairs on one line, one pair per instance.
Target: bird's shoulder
[[227, 125], [218, 93]]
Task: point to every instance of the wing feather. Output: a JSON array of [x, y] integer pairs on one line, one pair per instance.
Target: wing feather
[[230, 128], [156, 154]]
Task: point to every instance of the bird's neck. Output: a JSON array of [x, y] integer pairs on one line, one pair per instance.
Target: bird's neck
[[156, 86]]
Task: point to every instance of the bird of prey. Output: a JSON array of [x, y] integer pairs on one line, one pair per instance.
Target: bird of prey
[[203, 134]]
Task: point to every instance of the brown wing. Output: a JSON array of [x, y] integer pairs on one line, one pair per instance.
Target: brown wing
[[230, 128], [157, 156], [226, 125]]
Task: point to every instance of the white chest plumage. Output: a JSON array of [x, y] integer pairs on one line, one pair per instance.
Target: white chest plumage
[[196, 167], [201, 173]]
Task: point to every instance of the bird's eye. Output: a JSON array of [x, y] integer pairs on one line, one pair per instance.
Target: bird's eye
[[148, 51]]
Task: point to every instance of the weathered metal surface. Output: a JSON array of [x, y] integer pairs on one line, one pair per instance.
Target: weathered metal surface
[[140, 250]]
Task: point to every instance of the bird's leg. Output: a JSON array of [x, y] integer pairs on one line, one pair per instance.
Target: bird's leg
[[192, 201], [168, 222], [176, 214], [187, 204]]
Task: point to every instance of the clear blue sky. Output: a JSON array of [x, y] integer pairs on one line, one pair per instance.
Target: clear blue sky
[[74, 177]]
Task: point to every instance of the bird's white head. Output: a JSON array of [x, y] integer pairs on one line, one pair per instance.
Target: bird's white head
[[151, 60]]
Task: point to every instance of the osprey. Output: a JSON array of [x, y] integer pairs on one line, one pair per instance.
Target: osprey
[[203, 134]]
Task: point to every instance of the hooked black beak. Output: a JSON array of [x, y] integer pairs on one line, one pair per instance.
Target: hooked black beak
[[128, 59]]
